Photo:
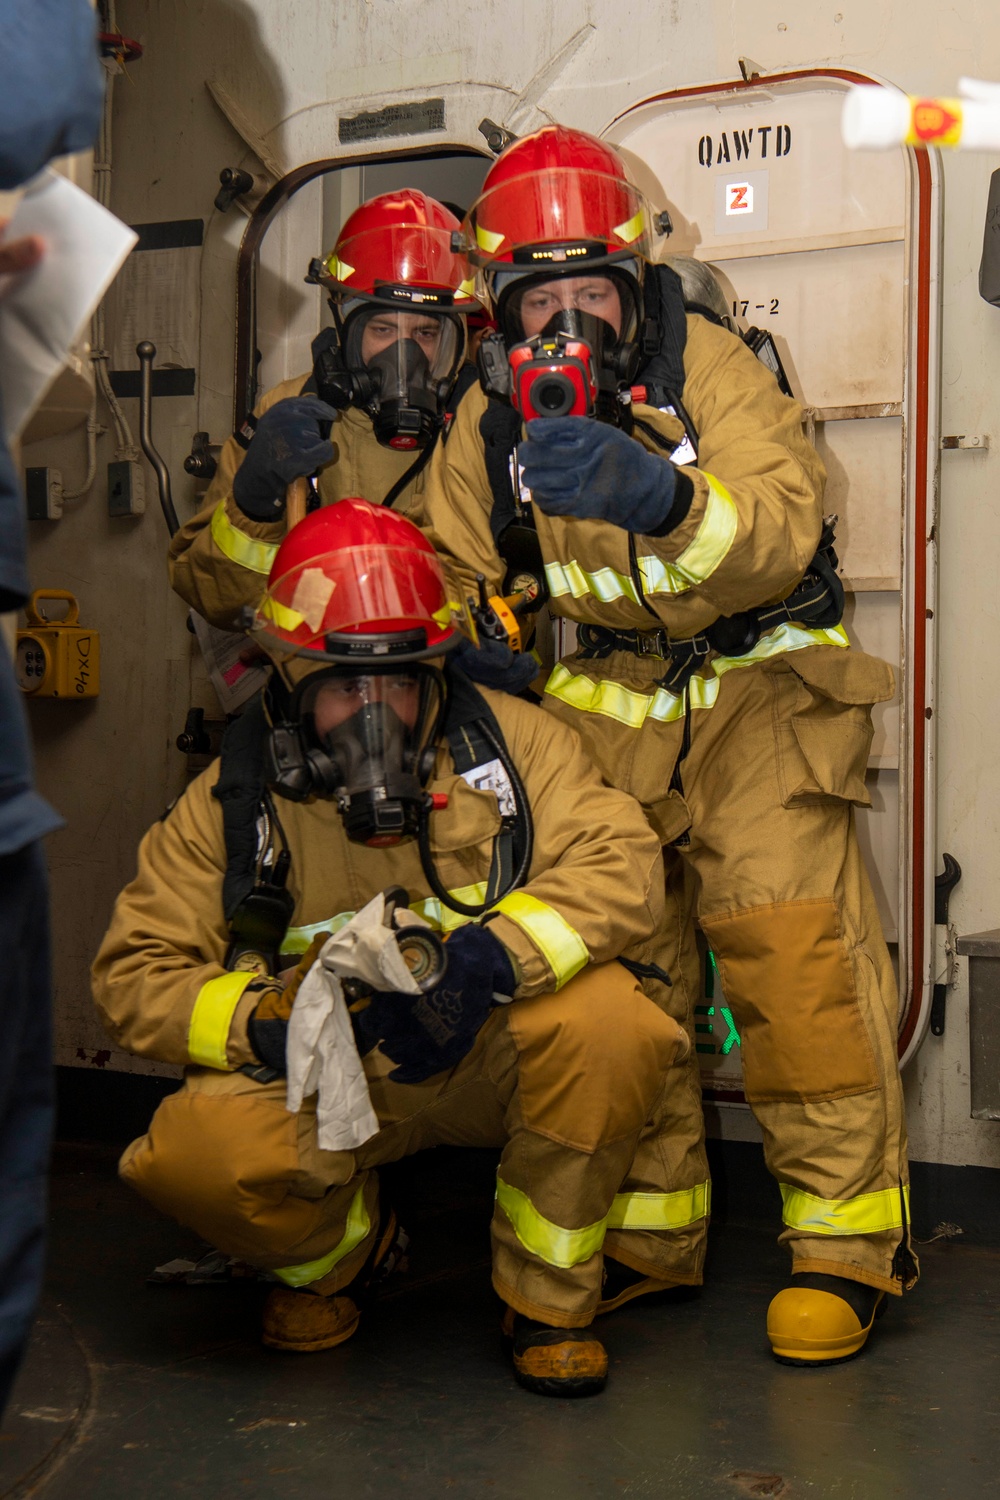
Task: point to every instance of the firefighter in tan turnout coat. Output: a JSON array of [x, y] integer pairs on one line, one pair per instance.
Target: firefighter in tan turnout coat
[[712, 680], [397, 772]]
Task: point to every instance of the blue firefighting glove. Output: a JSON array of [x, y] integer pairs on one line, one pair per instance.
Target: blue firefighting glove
[[427, 1034], [575, 466], [494, 665], [288, 443]]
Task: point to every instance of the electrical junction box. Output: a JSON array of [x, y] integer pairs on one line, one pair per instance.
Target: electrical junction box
[[43, 489], [57, 658], [126, 495]]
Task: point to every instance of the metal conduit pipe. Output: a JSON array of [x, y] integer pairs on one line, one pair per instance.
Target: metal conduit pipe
[[146, 352]]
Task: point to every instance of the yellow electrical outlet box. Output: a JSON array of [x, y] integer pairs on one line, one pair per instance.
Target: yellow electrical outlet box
[[57, 658]]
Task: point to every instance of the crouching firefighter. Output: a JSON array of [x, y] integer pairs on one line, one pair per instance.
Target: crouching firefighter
[[367, 419], [372, 763], [650, 476]]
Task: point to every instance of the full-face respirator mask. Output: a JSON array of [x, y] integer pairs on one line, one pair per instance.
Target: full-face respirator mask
[[367, 740], [578, 364], [399, 366]]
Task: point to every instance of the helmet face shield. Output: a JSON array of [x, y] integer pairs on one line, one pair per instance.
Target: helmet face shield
[[607, 300], [362, 601], [558, 217], [376, 338]]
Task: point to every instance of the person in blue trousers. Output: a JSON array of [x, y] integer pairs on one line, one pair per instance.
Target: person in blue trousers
[[50, 105]]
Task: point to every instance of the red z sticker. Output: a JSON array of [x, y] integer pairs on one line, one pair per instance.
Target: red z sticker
[[739, 198]]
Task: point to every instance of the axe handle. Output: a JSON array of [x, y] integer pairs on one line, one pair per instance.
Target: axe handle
[[296, 497]]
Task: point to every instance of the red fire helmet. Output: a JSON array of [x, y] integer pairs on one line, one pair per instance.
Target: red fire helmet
[[356, 583], [399, 249], [558, 200]]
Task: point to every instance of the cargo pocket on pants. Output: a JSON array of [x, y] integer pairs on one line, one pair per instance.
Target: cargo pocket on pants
[[822, 744], [787, 978]]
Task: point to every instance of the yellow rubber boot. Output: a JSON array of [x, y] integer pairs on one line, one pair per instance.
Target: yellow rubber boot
[[822, 1320]]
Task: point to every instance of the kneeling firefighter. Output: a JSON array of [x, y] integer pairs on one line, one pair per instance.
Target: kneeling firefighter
[[368, 417], [634, 464], [396, 771]]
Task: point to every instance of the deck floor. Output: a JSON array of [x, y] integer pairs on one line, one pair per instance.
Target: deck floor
[[133, 1390]]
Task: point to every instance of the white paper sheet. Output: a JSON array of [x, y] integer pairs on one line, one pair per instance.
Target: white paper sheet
[[321, 1050], [43, 311]]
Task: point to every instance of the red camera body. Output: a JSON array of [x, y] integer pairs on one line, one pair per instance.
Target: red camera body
[[553, 376]]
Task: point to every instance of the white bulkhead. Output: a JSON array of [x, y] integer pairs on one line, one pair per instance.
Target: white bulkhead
[[863, 269]]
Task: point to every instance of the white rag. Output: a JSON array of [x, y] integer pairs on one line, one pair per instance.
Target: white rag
[[322, 1054]]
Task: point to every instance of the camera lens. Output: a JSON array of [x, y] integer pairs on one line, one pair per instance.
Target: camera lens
[[553, 396]]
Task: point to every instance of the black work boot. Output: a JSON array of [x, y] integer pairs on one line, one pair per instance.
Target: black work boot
[[301, 1321], [555, 1361]]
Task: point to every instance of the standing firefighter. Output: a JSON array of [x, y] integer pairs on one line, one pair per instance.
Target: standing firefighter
[[384, 377], [682, 531], [396, 771]]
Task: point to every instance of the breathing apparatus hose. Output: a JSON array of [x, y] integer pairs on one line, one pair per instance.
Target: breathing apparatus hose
[[410, 473], [524, 826]]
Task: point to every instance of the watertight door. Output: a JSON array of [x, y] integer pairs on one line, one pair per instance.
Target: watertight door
[[836, 254]]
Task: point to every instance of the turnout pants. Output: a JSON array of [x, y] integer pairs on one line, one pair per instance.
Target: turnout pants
[[571, 1086], [752, 782]]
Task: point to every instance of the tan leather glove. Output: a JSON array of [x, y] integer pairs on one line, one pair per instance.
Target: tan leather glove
[[267, 1027]]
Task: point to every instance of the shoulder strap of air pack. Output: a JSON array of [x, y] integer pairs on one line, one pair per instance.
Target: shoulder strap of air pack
[[467, 709], [240, 789], [467, 712], [663, 336], [468, 376], [499, 428]]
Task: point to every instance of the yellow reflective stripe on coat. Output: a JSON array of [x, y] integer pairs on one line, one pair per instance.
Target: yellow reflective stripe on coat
[[714, 536], [703, 555], [561, 945], [441, 917], [355, 1231], [659, 577], [869, 1213], [617, 702], [557, 1247], [632, 708], [297, 939], [661, 1210], [604, 584], [238, 547], [208, 1029]]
